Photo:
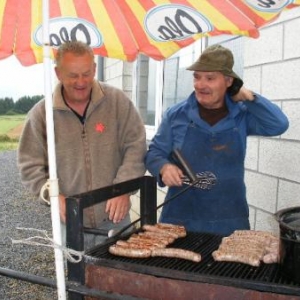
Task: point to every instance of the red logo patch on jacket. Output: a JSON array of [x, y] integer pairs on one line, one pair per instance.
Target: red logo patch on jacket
[[99, 127]]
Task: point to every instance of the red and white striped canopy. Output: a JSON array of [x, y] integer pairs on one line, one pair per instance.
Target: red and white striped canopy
[[124, 28]]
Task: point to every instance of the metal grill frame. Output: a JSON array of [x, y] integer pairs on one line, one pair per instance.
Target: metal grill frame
[[265, 278], [75, 205], [148, 211]]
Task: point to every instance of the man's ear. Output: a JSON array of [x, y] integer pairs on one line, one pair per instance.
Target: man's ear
[[229, 81], [57, 72]]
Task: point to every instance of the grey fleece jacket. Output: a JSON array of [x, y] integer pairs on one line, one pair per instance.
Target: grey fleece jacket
[[109, 148]]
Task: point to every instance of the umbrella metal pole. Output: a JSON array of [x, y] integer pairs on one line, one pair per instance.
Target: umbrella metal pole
[[54, 190]]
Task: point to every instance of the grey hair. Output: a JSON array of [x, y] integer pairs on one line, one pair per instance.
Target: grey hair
[[75, 47]]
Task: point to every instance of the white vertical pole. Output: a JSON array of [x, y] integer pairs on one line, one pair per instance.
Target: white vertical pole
[[159, 81], [53, 181]]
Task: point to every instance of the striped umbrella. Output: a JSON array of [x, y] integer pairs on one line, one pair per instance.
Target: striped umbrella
[[33, 29], [8, 22], [124, 28]]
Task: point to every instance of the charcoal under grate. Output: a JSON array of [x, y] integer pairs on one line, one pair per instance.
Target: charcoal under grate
[[266, 277]]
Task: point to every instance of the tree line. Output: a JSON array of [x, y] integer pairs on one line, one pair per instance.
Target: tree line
[[21, 106]]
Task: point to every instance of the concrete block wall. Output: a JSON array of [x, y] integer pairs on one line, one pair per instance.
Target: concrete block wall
[[119, 74], [272, 68]]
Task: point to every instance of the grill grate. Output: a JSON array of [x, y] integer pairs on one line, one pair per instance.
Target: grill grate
[[266, 277]]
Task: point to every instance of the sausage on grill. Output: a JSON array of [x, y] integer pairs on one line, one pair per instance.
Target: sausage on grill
[[249, 247], [237, 256], [160, 230], [134, 245], [159, 235], [144, 243], [129, 252], [148, 238], [177, 253], [178, 229]]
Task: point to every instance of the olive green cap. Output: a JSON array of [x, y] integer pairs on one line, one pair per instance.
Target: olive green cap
[[217, 58]]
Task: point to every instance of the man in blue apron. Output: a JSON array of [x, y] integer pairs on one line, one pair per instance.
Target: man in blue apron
[[210, 128]]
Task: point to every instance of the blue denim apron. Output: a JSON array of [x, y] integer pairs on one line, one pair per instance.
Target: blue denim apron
[[223, 208]]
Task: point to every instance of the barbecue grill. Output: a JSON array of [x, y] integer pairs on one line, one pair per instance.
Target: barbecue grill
[[167, 278]]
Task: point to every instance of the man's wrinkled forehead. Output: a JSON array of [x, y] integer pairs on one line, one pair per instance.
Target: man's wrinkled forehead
[[207, 73]]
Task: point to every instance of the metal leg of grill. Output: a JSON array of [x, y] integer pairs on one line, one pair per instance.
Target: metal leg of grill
[[74, 211]]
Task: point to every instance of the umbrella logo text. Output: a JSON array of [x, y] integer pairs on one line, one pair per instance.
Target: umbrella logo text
[[64, 30], [269, 5], [175, 22]]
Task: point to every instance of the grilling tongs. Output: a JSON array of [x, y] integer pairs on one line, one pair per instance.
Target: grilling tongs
[[203, 180]]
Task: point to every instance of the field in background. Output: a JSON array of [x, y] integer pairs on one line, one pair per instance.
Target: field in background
[[10, 131]]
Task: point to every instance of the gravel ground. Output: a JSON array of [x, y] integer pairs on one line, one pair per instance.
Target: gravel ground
[[19, 209]]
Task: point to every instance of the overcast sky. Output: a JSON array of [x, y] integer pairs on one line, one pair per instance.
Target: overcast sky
[[18, 81]]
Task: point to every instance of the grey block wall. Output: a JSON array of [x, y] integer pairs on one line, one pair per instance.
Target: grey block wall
[[272, 68]]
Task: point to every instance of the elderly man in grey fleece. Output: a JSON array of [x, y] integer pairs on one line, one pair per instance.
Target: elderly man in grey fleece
[[99, 135]]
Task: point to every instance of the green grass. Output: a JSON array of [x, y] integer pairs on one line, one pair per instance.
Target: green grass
[[7, 146], [8, 123]]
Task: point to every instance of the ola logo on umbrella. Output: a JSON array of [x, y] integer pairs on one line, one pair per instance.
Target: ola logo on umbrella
[[70, 29], [268, 5], [175, 22]]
